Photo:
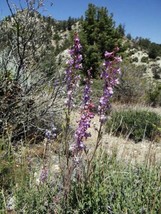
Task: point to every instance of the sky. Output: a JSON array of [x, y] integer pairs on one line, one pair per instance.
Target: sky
[[141, 18]]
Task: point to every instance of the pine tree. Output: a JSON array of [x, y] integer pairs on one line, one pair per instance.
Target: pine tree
[[98, 35]]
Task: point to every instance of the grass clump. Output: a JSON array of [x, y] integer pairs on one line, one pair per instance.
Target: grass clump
[[116, 187], [135, 124], [113, 187]]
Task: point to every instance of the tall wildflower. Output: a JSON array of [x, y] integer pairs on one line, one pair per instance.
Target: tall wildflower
[[86, 115], [73, 65], [72, 78], [109, 74]]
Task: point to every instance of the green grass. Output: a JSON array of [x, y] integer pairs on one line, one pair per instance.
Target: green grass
[[113, 187], [118, 188]]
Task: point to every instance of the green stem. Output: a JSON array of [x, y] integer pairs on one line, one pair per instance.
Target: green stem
[[99, 136]]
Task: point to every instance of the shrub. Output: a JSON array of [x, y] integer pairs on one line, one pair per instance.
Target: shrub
[[135, 59], [144, 59], [156, 70], [25, 74], [134, 124], [132, 87], [153, 96], [153, 53]]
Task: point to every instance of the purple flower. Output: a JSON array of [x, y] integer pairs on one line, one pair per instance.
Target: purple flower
[[50, 134], [74, 64], [108, 54], [84, 123], [44, 174], [110, 76], [87, 90], [82, 131]]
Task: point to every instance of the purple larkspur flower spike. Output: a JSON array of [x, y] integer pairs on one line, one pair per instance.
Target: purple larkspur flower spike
[[86, 115], [73, 65], [109, 74]]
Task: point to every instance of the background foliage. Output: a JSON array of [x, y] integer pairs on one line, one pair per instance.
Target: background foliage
[[136, 125]]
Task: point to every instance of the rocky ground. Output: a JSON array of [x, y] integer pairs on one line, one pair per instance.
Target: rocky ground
[[153, 66]]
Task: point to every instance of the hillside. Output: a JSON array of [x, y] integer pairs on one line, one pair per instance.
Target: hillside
[[80, 116], [56, 36], [34, 50]]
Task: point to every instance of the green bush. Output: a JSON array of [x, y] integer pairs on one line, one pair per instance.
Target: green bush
[[135, 59], [132, 87], [153, 53], [135, 124], [156, 70], [144, 59], [96, 91], [153, 96]]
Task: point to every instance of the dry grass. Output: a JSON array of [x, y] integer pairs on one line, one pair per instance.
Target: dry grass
[[120, 107], [143, 152], [46, 154]]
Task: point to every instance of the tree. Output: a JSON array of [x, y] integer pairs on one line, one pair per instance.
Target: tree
[[129, 36], [144, 43], [121, 29], [98, 34], [154, 50], [69, 23]]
